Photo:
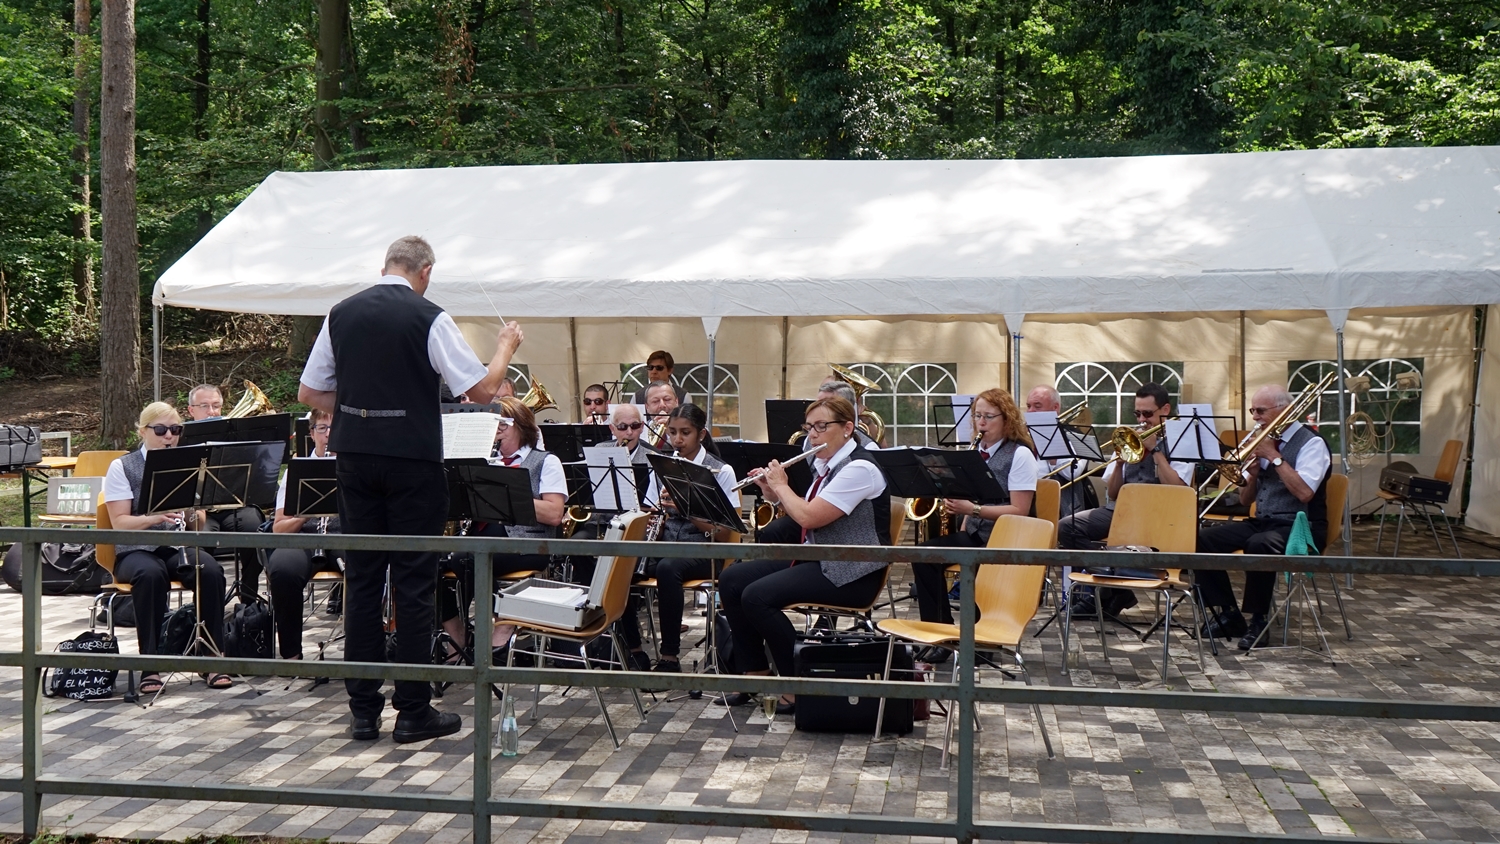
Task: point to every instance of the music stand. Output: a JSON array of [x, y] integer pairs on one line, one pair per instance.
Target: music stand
[[478, 491], [1194, 436], [312, 488], [961, 432], [696, 492], [273, 427], [938, 473], [759, 455], [784, 417], [569, 441], [469, 407], [612, 480], [302, 444]]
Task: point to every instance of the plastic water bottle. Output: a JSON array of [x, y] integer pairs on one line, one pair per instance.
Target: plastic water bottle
[[510, 734]]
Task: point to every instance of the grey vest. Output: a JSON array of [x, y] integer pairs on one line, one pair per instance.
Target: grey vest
[[678, 529], [1274, 501], [856, 528], [134, 465], [1143, 472], [532, 463], [999, 463]]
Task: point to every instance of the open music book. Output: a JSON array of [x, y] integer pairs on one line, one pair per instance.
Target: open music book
[[468, 435]]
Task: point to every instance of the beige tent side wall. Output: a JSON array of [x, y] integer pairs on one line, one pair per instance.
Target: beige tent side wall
[[1208, 344], [1484, 502]]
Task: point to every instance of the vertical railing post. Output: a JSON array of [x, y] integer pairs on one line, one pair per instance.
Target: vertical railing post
[[966, 707], [31, 688], [484, 609]]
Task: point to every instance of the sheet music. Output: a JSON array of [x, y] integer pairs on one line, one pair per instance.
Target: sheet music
[[469, 434], [1192, 435], [566, 596], [1049, 438], [598, 458]]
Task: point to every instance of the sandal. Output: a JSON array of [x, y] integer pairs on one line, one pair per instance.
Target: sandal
[[151, 684], [218, 681]]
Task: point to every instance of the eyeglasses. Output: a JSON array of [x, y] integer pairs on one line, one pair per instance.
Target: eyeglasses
[[163, 430], [322, 429], [1145, 414], [628, 426], [1262, 411], [595, 401], [988, 417], [218, 405], [656, 366], [820, 427]]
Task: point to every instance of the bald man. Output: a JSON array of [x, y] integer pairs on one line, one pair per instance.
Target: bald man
[[1043, 398]]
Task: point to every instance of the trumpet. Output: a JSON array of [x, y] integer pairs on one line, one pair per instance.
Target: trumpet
[[798, 459], [1129, 446]]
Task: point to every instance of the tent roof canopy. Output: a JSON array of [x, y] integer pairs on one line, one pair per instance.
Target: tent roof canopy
[[1316, 229]]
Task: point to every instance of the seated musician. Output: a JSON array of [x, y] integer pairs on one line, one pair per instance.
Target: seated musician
[[205, 402], [687, 428], [836, 387], [837, 510], [659, 366], [660, 401], [151, 566], [1288, 476], [515, 444], [1005, 445], [595, 405], [289, 570], [1043, 398], [1085, 530]]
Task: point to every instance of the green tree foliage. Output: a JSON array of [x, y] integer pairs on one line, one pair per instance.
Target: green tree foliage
[[441, 83]]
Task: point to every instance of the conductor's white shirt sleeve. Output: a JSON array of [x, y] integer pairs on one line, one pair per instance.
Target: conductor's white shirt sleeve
[[447, 352], [1023, 471]]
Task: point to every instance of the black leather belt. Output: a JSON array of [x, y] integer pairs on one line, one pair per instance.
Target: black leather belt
[[361, 412]]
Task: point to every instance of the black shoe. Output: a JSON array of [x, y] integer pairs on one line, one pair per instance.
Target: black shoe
[[1117, 601], [664, 666], [786, 708], [1084, 606], [364, 729], [427, 725], [735, 699], [1229, 624], [335, 604], [1253, 637], [934, 655], [639, 661]]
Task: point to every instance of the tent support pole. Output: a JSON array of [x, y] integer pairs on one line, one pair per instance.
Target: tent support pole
[[1344, 448], [1481, 320], [709, 410], [1015, 366], [156, 352], [577, 380], [785, 330], [1244, 399]]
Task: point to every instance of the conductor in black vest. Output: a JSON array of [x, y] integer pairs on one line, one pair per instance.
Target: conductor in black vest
[[376, 367]]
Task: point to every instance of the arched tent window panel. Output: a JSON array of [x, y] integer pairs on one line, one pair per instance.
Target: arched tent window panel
[[1109, 386], [634, 378], [726, 414], [1386, 390], [907, 394], [520, 375]]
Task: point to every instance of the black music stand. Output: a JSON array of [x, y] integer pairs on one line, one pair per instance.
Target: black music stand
[[469, 407], [784, 417], [938, 473], [1065, 442], [273, 427], [1198, 439], [312, 488], [478, 491], [302, 444], [948, 434], [569, 441], [760, 455]]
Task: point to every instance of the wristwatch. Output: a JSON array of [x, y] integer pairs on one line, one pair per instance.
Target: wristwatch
[[976, 511], [1276, 464]]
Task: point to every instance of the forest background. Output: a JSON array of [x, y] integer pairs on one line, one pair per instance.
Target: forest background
[[229, 91]]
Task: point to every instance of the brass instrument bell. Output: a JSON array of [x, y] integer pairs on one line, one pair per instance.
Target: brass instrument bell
[[537, 399], [252, 402]]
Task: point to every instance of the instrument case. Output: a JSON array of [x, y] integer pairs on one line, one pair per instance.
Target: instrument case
[[510, 604], [1401, 478], [851, 661]]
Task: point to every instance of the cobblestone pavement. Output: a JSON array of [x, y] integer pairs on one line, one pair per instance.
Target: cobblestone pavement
[[1414, 638]]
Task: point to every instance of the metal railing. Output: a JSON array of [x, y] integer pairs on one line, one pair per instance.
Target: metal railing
[[961, 825]]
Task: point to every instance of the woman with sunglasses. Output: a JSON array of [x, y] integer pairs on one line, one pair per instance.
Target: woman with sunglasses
[[151, 566], [515, 446], [687, 429], [837, 510], [1004, 442], [289, 570]]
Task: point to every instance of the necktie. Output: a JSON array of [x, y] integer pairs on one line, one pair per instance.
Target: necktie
[[812, 493], [513, 459]]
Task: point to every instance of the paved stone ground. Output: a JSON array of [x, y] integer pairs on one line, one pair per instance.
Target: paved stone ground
[[1430, 639]]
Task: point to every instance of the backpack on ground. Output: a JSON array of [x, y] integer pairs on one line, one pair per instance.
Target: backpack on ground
[[247, 631], [83, 683], [67, 569], [177, 631]]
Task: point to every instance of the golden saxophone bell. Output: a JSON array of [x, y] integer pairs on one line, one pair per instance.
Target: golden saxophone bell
[[252, 402], [765, 513]]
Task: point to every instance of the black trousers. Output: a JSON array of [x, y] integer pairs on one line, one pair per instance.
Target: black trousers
[[150, 575], [670, 575], [932, 582], [288, 571], [755, 592], [243, 520], [390, 496], [1253, 536], [1081, 530]]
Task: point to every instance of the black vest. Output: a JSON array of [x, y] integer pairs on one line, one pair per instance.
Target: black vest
[[387, 394], [1272, 498]]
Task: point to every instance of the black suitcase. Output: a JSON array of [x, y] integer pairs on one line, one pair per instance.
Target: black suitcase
[[851, 661]]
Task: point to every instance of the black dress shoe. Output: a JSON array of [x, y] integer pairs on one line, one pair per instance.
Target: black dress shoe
[[1083, 606], [1229, 624], [638, 661], [735, 699], [364, 729], [934, 655], [786, 708], [1253, 637], [427, 725]]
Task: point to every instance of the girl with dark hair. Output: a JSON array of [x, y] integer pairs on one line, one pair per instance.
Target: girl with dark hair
[[687, 430]]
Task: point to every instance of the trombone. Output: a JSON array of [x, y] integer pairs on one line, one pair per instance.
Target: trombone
[[1236, 466], [1129, 446]]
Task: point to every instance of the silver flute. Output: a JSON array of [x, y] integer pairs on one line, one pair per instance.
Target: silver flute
[[798, 459]]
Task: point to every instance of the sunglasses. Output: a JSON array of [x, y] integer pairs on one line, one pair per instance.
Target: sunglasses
[[595, 401], [628, 426], [163, 430], [1144, 414], [654, 366]]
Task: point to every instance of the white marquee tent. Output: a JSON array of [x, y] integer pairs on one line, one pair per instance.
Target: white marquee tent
[[1305, 231]]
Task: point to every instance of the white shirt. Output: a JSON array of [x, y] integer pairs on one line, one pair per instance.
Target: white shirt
[[553, 477], [116, 485], [1313, 461], [447, 352], [1023, 469], [724, 475], [859, 481]]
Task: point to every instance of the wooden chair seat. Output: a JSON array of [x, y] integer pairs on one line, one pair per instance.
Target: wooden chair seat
[[326, 576]]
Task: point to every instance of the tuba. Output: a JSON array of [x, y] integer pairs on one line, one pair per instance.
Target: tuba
[[252, 402], [537, 399], [869, 421]]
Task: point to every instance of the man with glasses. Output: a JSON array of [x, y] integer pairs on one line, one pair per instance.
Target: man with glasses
[[1085, 530], [1288, 476], [596, 405], [659, 368], [206, 402], [661, 400]]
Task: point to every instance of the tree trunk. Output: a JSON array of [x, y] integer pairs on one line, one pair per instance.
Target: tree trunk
[[332, 15], [120, 325], [201, 80], [83, 233]]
